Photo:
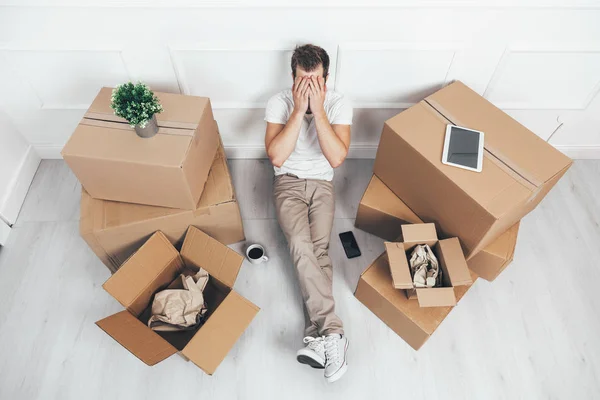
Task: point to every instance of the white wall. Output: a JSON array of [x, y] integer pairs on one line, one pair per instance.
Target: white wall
[[538, 60]]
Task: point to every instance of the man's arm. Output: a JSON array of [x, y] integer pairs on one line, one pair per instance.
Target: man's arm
[[280, 140], [334, 139]]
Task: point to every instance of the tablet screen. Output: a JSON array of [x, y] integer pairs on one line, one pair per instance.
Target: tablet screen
[[463, 148]]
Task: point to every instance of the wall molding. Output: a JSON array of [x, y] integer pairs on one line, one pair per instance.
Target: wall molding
[[453, 47], [44, 105], [176, 49], [15, 197], [541, 48]]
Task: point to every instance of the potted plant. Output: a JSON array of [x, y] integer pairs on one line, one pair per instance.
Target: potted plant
[[138, 105]]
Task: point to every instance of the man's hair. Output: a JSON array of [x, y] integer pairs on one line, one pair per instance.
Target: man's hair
[[309, 57]]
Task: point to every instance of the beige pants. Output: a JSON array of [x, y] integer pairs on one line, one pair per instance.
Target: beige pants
[[305, 210]]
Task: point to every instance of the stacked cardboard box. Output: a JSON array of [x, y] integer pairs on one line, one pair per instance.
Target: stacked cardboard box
[[140, 198], [115, 230], [412, 185], [113, 163], [133, 186]]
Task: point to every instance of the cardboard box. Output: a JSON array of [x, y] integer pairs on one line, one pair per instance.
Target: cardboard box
[[411, 322], [382, 214], [450, 258], [114, 230], [494, 259], [168, 170], [519, 168], [151, 269]]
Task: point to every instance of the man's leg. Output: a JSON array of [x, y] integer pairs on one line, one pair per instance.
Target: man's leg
[[292, 207], [320, 215]]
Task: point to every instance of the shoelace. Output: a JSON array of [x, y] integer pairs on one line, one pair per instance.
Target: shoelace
[[331, 350], [316, 344]]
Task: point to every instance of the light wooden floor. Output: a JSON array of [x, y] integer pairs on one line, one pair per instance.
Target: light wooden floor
[[534, 333]]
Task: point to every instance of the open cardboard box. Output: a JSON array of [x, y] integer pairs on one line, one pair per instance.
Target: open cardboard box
[[451, 261], [154, 267], [414, 324], [519, 168], [115, 230], [113, 163], [382, 213]]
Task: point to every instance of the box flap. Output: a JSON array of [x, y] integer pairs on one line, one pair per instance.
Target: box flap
[[505, 138], [179, 111], [214, 340], [454, 260], [154, 265], [218, 190], [378, 196], [218, 187], [419, 234], [202, 251], [136, 337], [436, 297], [399, 267]]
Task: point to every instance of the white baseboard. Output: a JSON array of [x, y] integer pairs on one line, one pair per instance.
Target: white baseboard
[[4, 232], [580, 152], [48, 151], [366, 151], [362, 150], [17, 192], [245, 151]]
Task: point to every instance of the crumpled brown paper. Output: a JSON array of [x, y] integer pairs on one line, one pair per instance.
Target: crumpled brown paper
[[180, 309], [425, 267]]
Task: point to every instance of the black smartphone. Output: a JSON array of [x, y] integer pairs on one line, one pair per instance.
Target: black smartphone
[[350, 245]]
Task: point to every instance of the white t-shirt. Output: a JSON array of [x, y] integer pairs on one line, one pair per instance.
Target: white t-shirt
[[307, 160]]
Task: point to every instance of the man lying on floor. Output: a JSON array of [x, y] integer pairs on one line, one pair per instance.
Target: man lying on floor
[[308, 135]]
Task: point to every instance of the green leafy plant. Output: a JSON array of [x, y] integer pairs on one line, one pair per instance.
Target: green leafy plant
[[135, 102]]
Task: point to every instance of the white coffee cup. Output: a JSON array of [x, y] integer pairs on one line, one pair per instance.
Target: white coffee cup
[[255, 253]]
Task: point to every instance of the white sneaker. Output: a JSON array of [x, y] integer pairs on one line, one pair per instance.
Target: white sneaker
[[336, 347], [314, 352]]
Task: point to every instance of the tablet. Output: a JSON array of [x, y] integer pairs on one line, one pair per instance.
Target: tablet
[[463, 148]]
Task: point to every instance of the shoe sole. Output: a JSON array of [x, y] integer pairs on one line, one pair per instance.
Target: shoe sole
[[302, 359]]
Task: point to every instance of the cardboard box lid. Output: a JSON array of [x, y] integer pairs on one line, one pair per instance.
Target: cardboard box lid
[[436, 297], [202, 251], [136, 337], [379, 197], [210, 345], [505, 138], [104, 214], [420, 234], [178, 111], [452, 256], [399, 267], [103, 135], [136, 281]]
